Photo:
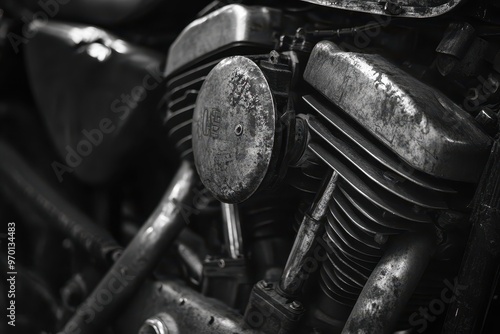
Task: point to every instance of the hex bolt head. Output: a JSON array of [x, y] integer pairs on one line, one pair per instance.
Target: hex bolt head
[[161, 323], [296, 306], [153, 326]]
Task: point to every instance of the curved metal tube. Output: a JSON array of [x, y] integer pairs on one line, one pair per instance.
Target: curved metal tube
[[391, 284], [32, 192], [139, 258]]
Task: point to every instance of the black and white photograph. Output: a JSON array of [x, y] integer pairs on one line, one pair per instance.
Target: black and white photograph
[[250, 166]]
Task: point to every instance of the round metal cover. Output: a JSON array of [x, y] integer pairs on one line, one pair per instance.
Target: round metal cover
[[234, 129]]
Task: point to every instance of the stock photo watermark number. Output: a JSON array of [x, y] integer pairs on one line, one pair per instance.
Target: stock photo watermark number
[[11, 273]]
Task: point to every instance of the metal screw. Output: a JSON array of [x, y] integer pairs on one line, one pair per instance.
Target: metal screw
[[222, 263], [238, 130], [116, 255], [153, 326], [300, 33], [266, 285], [274, 56], [493, 82], [296, 305]]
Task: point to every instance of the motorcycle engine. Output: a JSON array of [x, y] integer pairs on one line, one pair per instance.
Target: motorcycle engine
[[291, 124], [264, 166]]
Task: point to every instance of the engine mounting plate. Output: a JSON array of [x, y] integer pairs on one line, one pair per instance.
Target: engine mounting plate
[[234, 125]]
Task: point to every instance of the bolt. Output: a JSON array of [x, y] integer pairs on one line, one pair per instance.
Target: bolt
[[300, 33], [238, 130], [473, 94], [222, 263], [116, 255], [296, 306], [494, 84], [265, 285], [158, 325], [274, 56]]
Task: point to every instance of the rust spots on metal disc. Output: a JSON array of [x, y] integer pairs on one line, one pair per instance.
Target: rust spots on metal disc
[[234, 129]]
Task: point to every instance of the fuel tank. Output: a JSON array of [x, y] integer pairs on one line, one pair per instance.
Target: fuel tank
[[97, 95]]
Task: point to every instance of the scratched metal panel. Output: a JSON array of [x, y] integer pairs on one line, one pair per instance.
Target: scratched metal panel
[[408, 8]]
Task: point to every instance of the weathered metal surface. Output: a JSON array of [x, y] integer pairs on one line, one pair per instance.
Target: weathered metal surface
[[229, 26], [234, 129], [340, 203], [391, 285], [162, 323], [190, 311], [385, 200], [345, 243], [457, 39], [292, 278], [270, 312], [422, 126], [406, 191], [373, 150], [400, 8], [139, 258]]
